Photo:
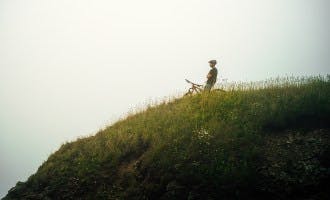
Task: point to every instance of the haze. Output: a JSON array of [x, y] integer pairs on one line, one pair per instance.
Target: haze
[[69, 68]]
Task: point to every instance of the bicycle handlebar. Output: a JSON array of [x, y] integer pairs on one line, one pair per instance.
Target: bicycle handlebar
[[193, 83]]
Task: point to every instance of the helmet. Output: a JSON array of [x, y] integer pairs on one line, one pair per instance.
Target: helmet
[[213, 61]]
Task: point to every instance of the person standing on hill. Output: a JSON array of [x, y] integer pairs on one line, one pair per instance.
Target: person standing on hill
[[211, 76]]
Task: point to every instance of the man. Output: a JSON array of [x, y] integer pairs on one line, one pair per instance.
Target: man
[[211, 76]]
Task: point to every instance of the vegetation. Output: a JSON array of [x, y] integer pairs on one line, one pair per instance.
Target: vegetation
[[264, 140]]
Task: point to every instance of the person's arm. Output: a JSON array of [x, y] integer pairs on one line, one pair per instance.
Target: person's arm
[[210, 74]]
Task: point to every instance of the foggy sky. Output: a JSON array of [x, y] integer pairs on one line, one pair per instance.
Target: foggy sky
[[68, 68]]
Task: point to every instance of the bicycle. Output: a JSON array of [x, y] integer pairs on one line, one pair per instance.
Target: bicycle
[[197, 88]]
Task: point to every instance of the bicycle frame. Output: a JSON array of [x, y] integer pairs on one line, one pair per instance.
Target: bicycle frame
[[194, 88]]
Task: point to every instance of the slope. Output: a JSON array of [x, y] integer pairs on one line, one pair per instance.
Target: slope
[[257, 140]]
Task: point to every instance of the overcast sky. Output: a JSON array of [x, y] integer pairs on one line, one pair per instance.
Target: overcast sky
[[68, 68]]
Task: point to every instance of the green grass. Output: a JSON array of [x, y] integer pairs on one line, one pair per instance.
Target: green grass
[[207, 145]]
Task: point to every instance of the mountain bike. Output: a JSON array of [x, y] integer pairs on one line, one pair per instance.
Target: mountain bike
[[197, 88]]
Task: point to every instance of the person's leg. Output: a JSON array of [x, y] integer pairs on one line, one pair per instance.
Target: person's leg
[[207, 87]]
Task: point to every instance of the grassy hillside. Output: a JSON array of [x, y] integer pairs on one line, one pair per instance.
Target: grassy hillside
[[257, 140]]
